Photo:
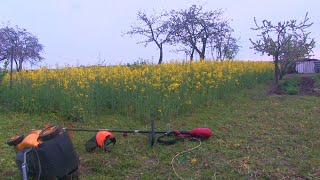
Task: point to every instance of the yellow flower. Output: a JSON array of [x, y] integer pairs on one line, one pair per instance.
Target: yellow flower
[[188, 102], [193, 161]]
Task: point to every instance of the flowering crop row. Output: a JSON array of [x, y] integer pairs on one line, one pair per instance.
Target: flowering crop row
[[141, 90]]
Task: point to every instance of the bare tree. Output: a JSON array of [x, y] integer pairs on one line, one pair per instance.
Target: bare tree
[[283, 41], [154, 28], [298, 48], [225, 46], [19, 46], [196, 28], [230, 48], [188, 51], [5, 45]]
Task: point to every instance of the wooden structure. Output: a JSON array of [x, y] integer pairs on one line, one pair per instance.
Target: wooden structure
[[308, 66]]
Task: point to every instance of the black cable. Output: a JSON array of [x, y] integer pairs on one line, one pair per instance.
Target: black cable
[[161, 139]]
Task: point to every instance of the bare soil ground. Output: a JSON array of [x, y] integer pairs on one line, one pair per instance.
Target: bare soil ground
[[306, 85]]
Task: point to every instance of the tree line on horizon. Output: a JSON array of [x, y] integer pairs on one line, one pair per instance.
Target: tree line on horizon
[[192, 31]]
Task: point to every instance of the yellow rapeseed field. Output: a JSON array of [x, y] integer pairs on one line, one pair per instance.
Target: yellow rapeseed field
[[164, 90]]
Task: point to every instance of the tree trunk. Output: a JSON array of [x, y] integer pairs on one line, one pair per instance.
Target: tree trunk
[[161, 54], [276, 68], [284, 68], [282, 72], [202, 56], [191, 55], [281, 75], [219, 51], [11, 69], [20, 65], [17, 66], [203, 51]]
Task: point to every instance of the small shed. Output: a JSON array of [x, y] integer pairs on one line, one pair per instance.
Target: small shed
[[308, 66]]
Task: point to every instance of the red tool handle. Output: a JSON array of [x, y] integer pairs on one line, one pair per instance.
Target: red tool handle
[[204, 133]]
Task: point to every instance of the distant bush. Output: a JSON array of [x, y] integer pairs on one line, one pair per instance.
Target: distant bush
[[290, 87], [2, 73], [138, 62], [292, 90], [317, 81]]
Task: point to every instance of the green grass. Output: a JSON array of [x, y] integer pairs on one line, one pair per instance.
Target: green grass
[[276, 136], [290, 86], [317, 79]]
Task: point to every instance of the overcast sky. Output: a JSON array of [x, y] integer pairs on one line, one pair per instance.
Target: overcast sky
[[85, 32]]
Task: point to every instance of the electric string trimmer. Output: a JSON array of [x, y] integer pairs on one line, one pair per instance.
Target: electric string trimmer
[[41, 153], [104, 137]]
